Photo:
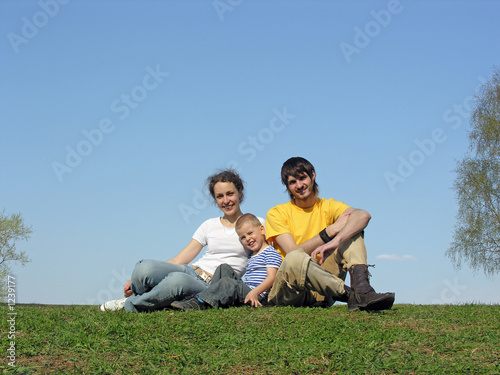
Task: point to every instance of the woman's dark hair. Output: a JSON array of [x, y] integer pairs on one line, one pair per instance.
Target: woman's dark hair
[[228, 175], [297, 167]]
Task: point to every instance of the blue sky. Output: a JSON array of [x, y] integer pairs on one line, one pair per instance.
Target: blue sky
[[114, 113]]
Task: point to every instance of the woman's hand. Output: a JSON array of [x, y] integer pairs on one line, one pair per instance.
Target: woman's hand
[[127, 292], [253, 298]]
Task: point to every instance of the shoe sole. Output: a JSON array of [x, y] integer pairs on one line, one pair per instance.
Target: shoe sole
[[384, 303]]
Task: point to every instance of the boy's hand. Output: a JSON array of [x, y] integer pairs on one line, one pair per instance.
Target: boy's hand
[[253, 298]]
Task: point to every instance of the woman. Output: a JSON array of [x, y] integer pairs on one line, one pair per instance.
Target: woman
[[156, 284]]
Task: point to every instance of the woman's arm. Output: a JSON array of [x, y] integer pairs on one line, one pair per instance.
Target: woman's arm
[[187, 254]]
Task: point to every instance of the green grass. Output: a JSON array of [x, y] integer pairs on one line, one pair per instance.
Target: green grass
[[408, 339]]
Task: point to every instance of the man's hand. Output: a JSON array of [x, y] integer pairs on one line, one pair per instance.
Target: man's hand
[[319, 253], [253, 298], [333, 244], [127, 292]]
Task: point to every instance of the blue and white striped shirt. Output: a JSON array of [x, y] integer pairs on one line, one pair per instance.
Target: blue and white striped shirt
[[257, 267]]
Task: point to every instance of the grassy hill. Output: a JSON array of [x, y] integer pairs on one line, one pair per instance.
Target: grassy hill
[[408, 339]]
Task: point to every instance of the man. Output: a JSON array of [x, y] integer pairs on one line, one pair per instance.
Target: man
[[321, 240]]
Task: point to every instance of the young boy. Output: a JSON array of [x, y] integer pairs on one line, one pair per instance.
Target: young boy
[[227, 289]]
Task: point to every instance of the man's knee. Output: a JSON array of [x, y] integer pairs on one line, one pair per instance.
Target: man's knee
[[294, 266], [295, 258]]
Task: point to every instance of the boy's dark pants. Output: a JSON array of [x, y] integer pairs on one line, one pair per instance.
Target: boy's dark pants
[[226, 289]]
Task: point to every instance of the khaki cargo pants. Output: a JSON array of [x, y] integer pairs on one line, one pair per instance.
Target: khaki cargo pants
[[301, 281]]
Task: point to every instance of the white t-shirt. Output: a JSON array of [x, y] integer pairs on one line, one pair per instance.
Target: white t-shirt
[[223, 246]]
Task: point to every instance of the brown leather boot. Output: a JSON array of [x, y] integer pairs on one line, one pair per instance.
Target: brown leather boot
[[363, 296]]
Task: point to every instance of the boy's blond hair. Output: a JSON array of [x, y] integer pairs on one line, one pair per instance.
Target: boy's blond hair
[[247, 218]]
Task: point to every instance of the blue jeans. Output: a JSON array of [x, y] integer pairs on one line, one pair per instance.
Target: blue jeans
[[156, 284]]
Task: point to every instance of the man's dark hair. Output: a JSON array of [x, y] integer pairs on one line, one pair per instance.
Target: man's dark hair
[[297, 167]]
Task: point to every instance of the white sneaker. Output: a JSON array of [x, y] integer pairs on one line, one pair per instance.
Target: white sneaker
[[114, 305]]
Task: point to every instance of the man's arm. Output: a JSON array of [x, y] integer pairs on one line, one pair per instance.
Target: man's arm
[[287, 242], [357, 221]]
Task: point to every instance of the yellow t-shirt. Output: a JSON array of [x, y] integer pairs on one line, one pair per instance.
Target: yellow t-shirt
[[302, 224]]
